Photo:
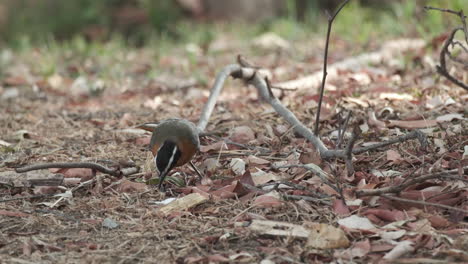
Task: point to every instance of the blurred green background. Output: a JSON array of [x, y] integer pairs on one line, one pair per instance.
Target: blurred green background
[[136, 22]]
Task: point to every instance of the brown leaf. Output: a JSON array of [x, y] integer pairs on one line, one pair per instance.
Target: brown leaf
[[358, 250], [256, 160], [15, 81], [393, 155], [271, 199], [215, 146], [325, 236], [373, 121], [412, 124], [225, 192], [386, 215], [82, 173], [127, 186], [13, 214], [242, 134], [340, 208]]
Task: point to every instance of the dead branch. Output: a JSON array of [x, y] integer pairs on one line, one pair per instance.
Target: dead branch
[[324, 78], [214, 93], [411, 135], [87, 165], [257, 80], [442, 68], [459, 14], [326, 179], [306, 198], [26, 197], [349, 150], [424, 203], [396, 189]]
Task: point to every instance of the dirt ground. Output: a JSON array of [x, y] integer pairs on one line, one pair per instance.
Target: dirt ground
[[85, 110]]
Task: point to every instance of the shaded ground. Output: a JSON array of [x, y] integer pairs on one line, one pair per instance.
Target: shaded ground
[[74, 105]]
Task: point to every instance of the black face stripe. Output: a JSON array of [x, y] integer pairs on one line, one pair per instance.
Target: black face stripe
[[163, 158]]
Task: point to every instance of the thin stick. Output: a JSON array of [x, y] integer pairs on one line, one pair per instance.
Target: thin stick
[[200, 175], [349, 150], [322, 88], [86, 165], [403, 186], [27, 197], [214, 93], [423, 203], [413, 134]]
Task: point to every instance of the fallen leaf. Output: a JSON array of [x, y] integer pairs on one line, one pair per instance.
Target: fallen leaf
[[271, 199], [357, 250], [127, 186], [325, 236], [215, 146], [393, 155], [412, 123], [237, 166], [356, 222], [83, 173], [373, 121], [13, 214], [261, 177], [275, 228], [256, 160], [449, 117], [340, 208], [242, 134], [399, 250], [183, 203]]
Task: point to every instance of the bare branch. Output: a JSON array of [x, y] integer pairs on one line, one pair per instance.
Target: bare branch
[[88, 165], [403, 186], [214, 93], [325, 58], [423, 203]]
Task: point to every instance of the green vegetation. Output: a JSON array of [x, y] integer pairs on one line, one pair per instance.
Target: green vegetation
[[162, 20]]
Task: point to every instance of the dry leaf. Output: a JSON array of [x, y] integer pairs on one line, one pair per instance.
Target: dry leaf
[[412, 124], [325, 236], [242, 134], [271, 199], [356, 222], [399, 250], [183, 203], [274, 228], [127, 186]]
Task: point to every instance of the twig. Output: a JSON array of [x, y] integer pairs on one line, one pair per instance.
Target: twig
[[423, 203], [324, 78], [87, 165], [283, 88], [26, 197], [214, 93], [342, 129], [413, 134], [442, 68], [349, 150], [459, 13], [306, 198], [326, 179], [401, 187]]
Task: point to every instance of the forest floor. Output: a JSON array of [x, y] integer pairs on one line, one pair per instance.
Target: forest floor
[[80, 103]]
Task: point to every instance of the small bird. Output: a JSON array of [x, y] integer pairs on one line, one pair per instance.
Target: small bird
[[174, 142]]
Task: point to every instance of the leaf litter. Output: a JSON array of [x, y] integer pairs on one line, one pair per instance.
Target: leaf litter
[[246, 208]]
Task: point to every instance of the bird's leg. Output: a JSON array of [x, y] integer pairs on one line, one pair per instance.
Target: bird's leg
[[200, 175]]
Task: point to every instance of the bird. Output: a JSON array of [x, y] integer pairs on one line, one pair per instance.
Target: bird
[[173, 143]]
